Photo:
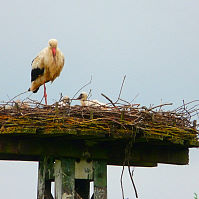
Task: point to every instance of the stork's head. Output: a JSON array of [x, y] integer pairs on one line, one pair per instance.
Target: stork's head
[[83, 96], [53, 46], [66, 100]]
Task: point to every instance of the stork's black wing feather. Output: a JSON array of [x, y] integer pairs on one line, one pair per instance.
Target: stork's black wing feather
[[35, 73]]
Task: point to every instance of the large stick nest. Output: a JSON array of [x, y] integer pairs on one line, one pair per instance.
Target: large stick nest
[[33, 118]]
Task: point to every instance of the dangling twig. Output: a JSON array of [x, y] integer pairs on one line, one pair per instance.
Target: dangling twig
[[17, 96], [121, 89], [83, 87], [90, 94], [131, 176], [161, 105], [40, 101], [60, 98], [108, 99], [134, 98], [27, 97], [121, 177], [185, 109]]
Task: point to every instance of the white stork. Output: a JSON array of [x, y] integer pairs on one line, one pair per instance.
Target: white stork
[[46, 67], [83, 97], [66, 101]]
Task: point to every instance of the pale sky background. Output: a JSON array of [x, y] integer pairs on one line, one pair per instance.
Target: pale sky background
[[155, 43]]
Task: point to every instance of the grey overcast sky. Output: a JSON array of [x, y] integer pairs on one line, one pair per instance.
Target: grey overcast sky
[[155, 43]]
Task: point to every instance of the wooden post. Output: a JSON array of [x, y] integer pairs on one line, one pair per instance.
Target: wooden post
[[64, 179], [41, 179], [100, 180], [45, 175]]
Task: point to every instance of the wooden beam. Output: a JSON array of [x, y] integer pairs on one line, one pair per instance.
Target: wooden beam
[[64, 179], [28, 148], [160, 154], [100, 180]]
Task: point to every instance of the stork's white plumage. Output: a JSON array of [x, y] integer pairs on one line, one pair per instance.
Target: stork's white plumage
[[64, 102], [46, 67], [21, 104], [85, 102]]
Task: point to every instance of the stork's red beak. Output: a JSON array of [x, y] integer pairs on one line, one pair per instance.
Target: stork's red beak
[[54, 52]]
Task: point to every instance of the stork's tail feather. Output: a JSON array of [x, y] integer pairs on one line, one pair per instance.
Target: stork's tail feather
[[36, 90]]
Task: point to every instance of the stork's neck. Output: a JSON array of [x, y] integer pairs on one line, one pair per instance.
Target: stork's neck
[[83, 102]]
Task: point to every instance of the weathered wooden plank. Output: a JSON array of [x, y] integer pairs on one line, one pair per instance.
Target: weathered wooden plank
[[64, 179], [41, 179], [84, 169], [45, 174], [83, 176], [50, 168], [100, 180]]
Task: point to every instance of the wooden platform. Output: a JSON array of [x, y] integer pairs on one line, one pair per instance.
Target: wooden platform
[[74, 148], [116, 135]]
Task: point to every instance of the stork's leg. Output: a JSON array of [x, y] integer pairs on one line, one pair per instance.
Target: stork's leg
[[45, 94]]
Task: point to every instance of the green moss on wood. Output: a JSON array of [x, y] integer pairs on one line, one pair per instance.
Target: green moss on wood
[[111, 125]]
